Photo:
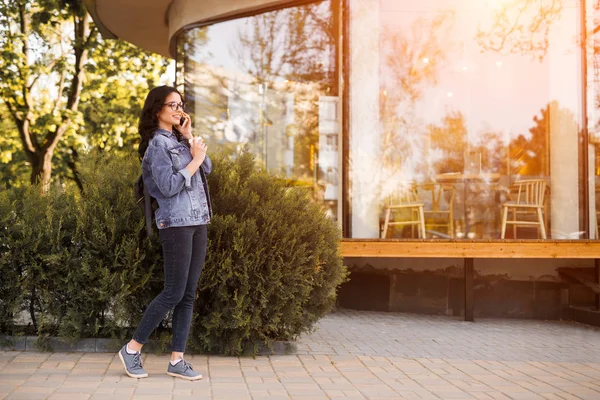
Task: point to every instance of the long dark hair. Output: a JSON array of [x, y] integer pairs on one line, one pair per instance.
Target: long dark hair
[[149, 121]]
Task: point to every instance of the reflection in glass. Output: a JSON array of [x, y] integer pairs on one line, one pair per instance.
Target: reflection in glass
[[593, 103], [269, 83], [477, 97]]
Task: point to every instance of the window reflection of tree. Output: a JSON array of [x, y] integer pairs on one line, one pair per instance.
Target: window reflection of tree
[[206, 89], [523, 27], [295, 45], [412, 63], [450, 141], [492, 148], [529, 154], [520, 27], [285, 59]]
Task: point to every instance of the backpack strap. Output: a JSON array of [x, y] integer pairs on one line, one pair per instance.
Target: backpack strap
[[148, 211]]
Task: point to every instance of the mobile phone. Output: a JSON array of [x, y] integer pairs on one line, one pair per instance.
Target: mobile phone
[[181, 121]]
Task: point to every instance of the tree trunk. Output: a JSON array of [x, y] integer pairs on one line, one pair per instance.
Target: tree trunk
[[72, 164], [32, 310], [41, 167], [40, 154]]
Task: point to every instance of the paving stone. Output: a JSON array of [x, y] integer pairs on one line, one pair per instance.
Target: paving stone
[[350, 355], [123, 393], [65, 395], [162, 391], [33, 390], [27, 396]]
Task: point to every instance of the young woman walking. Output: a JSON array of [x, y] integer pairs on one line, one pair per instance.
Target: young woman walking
[[174, 168]]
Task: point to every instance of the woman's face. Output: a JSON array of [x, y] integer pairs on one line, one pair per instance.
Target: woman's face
[[169, 116]]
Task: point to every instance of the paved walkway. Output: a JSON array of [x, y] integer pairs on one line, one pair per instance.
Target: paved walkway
[[351, 355]]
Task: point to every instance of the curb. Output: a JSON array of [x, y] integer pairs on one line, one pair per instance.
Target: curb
[[100, 345]]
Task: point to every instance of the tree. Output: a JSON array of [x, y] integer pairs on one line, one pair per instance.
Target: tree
[[12, 161], [118, 78], [522, 27], [55, 76], [412, 58], [492, 148], [450, 141], [296, 45], [35, 53], [530, 154]]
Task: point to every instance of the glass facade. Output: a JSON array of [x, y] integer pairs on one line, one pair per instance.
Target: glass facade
[[470, 122], [465, 119], [269, 82], [592, 19]]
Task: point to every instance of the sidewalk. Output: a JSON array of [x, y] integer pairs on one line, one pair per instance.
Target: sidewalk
[[351, 355]]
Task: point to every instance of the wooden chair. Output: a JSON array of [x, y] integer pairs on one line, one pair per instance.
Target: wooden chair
[[404, 208], [439, 206], [529, 201]]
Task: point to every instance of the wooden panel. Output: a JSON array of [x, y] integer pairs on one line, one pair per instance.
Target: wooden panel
[[470, 249]]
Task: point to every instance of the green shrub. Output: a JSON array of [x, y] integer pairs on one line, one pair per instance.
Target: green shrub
[[272, 266], [80, 265], [71, 260], [108, 259], [10, 290], [37, 232]]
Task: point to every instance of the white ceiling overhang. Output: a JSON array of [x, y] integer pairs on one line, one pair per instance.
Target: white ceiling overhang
[[153, 24]]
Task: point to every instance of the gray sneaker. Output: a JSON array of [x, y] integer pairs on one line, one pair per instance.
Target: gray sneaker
[[183, 370], [132, 363]]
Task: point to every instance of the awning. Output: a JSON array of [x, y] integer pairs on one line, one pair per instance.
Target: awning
[[140, 22], [150, 24]]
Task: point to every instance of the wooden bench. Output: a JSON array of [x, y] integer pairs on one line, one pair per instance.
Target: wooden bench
[[472, 249]]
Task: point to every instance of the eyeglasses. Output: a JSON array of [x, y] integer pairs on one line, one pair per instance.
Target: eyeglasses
[[175, 106]]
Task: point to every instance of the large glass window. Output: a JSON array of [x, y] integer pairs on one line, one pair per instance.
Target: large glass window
[[466, 119], [269, 82], [593, 107]]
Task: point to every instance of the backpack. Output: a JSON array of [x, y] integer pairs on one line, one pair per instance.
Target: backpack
[[144, 200]]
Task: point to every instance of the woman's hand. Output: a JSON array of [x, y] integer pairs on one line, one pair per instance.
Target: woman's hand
[[186, 128], [198, 149]]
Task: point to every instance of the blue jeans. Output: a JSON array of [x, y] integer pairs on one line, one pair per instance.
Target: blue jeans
[[184, 250]]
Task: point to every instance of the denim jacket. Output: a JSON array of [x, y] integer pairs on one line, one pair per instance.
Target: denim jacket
[[183, 199]]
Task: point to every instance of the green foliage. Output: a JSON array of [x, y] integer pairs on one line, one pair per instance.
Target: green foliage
[[10, 293], [104, 259], [71, 259], [117, 82], [79, 265], [36, 236], [13, 167], [272, 267], [64, 90]]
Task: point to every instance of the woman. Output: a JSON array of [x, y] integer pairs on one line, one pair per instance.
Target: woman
[[174, 168]]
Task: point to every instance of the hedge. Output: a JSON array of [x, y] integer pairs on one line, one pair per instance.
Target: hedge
[[78, 264]]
